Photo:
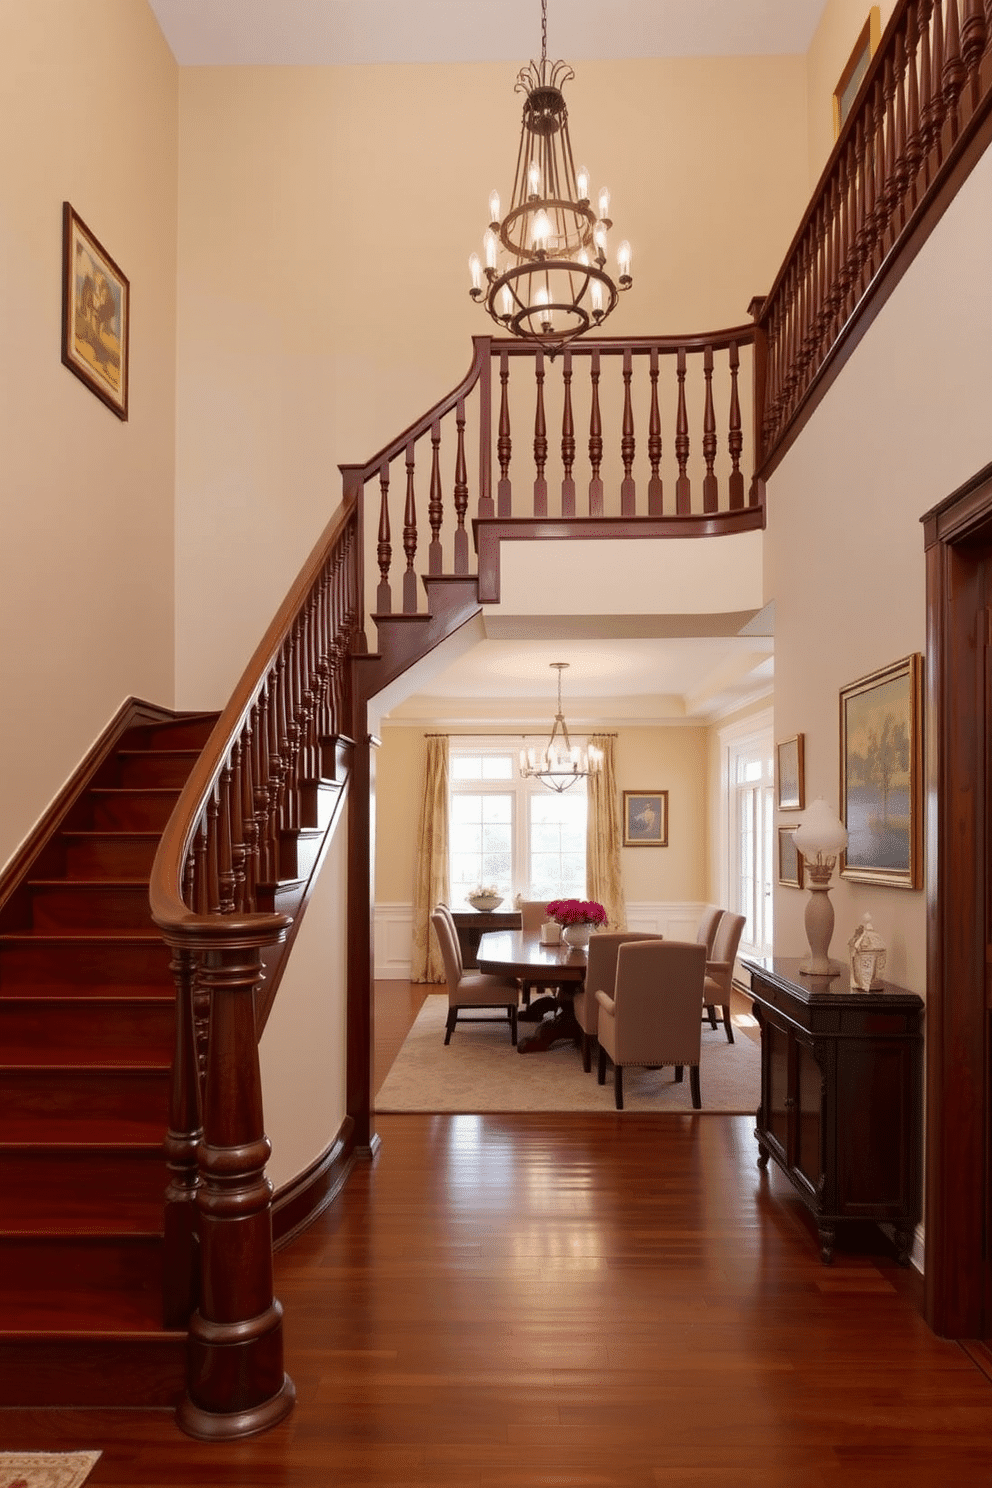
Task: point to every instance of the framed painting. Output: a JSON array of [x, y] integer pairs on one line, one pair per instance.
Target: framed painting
[[96, 314], [645, 818], [790, 783], [881, 775], [790, 859], [854, 73]]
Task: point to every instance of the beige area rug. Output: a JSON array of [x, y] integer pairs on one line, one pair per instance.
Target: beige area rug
[[46, 1469], [481, 1071]]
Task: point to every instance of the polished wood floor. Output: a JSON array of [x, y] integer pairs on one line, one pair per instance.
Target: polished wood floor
[[605, 1301]]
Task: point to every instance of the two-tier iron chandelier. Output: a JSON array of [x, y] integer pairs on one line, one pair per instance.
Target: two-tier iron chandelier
[[560, 763], [543, 273]]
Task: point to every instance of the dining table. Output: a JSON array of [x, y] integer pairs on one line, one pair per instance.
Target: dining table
[[523, 954]]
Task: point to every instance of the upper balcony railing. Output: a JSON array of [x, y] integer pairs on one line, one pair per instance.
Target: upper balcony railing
[[918, 124], [654, 432]]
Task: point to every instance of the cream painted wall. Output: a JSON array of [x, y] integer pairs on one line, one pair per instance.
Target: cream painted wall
[[303, 1049], [86, 556], [905, 424], [672, 759], [829, 53], [326, 218]]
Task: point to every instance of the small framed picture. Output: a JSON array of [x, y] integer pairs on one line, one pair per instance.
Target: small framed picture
[[857, 66], [790, 770], [790, 859], [645, 818], [96, 314], [881, 775]]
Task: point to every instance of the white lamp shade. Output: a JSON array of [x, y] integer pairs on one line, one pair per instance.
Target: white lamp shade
[[820, 831]]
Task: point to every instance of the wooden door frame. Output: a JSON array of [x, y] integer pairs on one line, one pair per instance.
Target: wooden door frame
[[958, 542]]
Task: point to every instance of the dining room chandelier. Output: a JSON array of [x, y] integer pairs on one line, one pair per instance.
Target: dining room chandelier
[[543, 273], [560, 763]]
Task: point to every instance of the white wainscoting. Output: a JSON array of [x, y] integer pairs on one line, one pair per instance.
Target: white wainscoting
[[393, 931]]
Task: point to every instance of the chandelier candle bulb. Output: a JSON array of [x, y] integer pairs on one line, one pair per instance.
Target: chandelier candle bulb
[[599, 238], [623, 260], [489, 245], [534, 179], [604, 203], [582, 183], [475, 269], [494, 206]]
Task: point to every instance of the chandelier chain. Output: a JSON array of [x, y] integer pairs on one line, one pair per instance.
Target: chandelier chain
[[544, 34]]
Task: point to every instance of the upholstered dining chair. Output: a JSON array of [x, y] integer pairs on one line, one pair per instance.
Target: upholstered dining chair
[[533, 913], [601, 972], [720, 969], [474, 989], [710, 919], [652, 1018]]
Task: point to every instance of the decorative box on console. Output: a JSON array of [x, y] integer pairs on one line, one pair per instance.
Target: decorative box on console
[[841, 1096]]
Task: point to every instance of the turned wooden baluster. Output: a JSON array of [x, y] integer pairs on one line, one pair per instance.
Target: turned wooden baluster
[[235, 1352], [711, 494], [595, 441], [384, 551], [540, 441], [628, 490], [735, 441], [278, 760], [504, 444], [936, 119], [683, 490], [410, 531], [236, 837], [181, 1272], [249, 823], [928, 125], [291, 728], [974, 39], [845, 172], [655, 492], [264, 812], [914, 138], [866, 212], [954, 74], [567, 439], [460, 492], [435, 516]]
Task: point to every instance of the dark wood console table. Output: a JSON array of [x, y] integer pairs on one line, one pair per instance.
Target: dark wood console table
[[472, 924], [841, 1096]]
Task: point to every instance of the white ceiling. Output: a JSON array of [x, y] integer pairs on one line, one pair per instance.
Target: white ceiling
[[322, 32], [487, 678]]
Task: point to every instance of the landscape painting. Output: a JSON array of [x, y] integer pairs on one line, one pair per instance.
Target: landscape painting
[[95, 314], [880, 775]]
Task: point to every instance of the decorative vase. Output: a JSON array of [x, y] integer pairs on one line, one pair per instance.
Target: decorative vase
[[576, 937]]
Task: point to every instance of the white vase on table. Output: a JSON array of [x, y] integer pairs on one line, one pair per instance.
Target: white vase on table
[[576, 937]]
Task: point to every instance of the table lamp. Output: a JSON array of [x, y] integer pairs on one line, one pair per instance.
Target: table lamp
[[820, 836]]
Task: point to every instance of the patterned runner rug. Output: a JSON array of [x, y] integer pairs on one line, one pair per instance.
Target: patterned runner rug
[[481, 1071], [45, 1469]]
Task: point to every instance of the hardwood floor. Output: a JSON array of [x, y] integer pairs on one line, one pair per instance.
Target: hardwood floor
[[594, 1301]]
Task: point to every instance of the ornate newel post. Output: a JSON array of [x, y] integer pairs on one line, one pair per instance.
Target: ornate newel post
[[236, 1384]]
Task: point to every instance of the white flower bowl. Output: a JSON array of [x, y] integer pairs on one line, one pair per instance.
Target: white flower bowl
[[485, 902]]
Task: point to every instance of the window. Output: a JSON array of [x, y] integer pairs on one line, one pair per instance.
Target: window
[[512, 832], [750, 801]]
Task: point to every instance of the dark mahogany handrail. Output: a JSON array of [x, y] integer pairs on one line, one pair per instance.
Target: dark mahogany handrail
[[213, 875], [572, 423], [920, 120]]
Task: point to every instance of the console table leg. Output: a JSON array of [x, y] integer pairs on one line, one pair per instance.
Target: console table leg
[[828, 1235]]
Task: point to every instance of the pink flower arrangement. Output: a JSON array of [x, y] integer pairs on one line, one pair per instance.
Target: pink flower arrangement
[[576, 912]]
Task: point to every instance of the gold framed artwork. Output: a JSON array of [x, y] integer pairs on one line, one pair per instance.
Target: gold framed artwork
[[645, 818], [857, 66], [881, 775], [790, 859], [790, 770], [96, 314]]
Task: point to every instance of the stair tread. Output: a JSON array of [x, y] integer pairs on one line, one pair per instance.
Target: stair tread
[[66, 1057], [87, 884], [89, 1131], [79, 933]]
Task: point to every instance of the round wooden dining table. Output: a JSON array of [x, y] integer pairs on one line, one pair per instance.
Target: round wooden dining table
[[521, 953]]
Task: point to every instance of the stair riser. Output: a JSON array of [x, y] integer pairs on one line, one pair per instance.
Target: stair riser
[[60, 1191], [186, 733], [149, 770], [86, 907], [298, 854], [113, 855], [51, 1276], [135, 811], [65, 1372], [43, 968], [318, 802], [89, 1029], [51, 1097]]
